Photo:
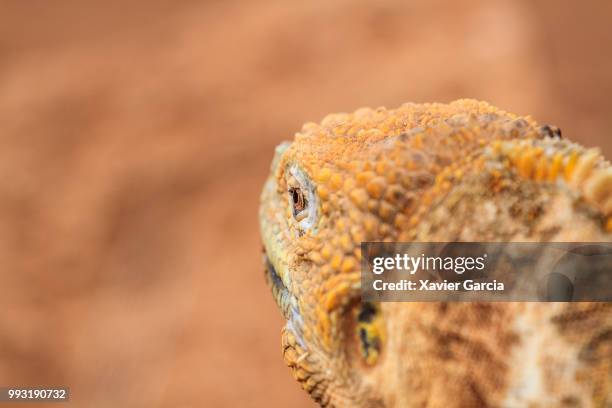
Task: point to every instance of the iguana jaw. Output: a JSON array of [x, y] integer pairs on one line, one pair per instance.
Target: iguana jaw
[[277, 251], [280, 292], [285, 300], [276, 269]]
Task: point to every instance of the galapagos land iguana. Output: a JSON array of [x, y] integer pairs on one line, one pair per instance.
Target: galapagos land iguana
[[464, 171]]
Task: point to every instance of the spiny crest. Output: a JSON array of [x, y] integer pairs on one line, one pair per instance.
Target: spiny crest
[[560, 161]]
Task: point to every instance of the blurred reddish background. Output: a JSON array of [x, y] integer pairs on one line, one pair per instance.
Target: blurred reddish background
[[134, 139]]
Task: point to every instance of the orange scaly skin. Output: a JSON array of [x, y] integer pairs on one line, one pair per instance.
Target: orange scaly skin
[[465, 171]]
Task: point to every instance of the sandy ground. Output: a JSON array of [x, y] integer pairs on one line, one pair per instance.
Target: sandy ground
[[134, 139]]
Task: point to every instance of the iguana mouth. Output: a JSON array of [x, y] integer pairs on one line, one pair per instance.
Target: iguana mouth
[[280, 293], [279, 290], [275, 279], [285, 300]]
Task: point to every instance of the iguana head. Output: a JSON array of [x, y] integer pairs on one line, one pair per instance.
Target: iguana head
[[372, 175], [354, 177]]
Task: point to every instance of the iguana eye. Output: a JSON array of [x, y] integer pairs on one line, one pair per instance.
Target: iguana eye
[[303, 200], [298, 200]]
